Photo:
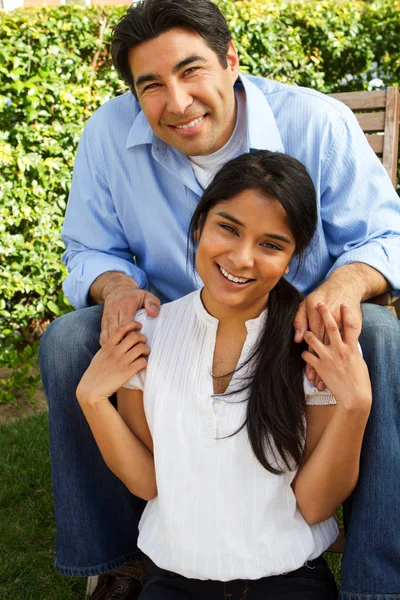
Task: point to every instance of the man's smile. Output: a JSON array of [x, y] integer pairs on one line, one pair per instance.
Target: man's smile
[[190, 126]]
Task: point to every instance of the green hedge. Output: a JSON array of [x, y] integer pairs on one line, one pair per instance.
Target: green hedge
[[55, 70]]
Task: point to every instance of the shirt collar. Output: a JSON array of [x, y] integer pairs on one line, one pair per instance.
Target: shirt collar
[[140, 132], [262, 130], [253, 326]]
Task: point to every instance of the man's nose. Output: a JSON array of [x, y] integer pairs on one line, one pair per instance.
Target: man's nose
[[178, 100]]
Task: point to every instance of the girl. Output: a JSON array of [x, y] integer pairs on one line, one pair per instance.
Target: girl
[[242, 460]]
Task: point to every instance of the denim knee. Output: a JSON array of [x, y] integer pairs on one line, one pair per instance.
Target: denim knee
[[380, 331], [68, 346], [380, 343], [77, 328]]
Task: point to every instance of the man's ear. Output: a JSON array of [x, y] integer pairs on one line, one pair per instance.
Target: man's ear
[[232, 61]]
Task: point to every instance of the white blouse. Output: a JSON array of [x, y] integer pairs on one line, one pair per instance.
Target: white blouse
[[218, 513]]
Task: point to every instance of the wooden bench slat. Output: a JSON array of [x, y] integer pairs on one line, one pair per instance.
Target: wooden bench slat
[[376, 142], [362, 100], [386, 121], [391, 144], [371, 121]]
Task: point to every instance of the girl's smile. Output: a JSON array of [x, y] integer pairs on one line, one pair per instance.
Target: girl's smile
[[244, 248], [233, 279]]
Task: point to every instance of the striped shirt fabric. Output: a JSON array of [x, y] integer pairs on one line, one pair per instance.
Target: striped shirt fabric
[[218, 513], [132, 196]]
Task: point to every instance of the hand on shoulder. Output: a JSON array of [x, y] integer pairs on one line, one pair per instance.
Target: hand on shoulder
[[122, 298], [340, 363]]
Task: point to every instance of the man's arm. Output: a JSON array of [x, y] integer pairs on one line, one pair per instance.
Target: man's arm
[[94, 238], [360, 216], [352, 284], [91, 227]]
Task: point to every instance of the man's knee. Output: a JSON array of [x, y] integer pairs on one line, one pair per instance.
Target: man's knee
[[70, 335], [380, 327], [380, 343]]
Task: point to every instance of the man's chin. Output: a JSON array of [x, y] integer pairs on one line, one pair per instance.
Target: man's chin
[[193, 148], [195, 145]]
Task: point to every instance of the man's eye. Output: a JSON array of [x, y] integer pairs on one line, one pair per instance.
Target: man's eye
[[190, 70], [152, 86]]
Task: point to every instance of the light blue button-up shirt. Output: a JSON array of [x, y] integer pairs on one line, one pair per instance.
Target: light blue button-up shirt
[[132, 195]]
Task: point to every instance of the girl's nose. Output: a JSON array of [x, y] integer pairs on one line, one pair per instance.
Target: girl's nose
[[242, 257]]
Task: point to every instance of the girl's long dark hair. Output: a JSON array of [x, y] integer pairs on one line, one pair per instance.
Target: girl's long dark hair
[[276, 405]]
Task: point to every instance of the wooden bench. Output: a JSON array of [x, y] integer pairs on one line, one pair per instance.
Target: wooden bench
[[378, 114]]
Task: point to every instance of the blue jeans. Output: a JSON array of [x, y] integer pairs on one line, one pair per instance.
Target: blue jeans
[[97, 517]]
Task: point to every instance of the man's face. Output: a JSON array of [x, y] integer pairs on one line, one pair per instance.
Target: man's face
[[185, 93]]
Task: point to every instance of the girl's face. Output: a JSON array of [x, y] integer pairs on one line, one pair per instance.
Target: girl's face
[[244, 249]]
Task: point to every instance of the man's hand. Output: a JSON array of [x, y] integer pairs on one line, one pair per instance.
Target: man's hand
[[308, 317], [350, 284], [340, 362], [122, 299]]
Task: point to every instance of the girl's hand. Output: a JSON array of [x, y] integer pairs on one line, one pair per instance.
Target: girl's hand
[[340, 364], [121, 357]]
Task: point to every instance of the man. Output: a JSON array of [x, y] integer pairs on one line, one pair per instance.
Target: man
[[142, 163]]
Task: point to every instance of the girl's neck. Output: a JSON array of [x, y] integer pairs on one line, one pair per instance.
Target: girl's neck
[[235, 316]]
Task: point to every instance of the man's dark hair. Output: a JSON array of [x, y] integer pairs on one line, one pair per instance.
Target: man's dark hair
[[149, 18]]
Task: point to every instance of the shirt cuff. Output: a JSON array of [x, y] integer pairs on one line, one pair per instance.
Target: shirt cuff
[[376, 256], [77, 285]]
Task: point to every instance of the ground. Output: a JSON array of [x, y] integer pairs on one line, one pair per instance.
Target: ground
[[22, 407]]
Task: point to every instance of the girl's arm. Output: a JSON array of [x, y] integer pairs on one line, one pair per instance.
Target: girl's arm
[[127, 450], [132, 413], [329, 471]]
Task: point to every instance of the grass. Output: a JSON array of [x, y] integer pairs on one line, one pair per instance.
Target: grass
[[335, 560], [27, 528]]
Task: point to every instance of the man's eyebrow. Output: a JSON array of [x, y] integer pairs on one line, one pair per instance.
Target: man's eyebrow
[[147, 77], [275, 236], [187, 61]]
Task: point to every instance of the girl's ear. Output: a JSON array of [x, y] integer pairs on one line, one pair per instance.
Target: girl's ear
[[287, 270]]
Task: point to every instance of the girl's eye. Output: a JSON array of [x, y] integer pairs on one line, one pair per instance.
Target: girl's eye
[[228, 228], [271, 246]]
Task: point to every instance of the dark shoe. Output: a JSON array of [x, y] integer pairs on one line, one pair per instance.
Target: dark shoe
[[116, 586]]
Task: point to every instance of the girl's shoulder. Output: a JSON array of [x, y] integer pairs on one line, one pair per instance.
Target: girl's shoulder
[[148, 324], [173, 314]]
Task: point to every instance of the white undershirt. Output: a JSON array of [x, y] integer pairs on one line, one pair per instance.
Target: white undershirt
[[206, 167], [218, 514]]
